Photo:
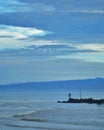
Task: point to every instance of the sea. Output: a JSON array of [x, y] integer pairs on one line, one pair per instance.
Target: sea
[[39, 110]]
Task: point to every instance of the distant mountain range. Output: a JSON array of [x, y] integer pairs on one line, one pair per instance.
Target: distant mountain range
[[85, 84]]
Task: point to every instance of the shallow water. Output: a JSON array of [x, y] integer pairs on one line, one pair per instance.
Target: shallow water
[[40, 111]]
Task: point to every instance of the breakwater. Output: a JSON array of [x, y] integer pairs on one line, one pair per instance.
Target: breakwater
[[83, 100]]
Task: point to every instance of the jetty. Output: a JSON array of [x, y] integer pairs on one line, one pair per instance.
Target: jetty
[[82, 100]]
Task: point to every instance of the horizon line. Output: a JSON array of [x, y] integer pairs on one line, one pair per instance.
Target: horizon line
[[93, 78]]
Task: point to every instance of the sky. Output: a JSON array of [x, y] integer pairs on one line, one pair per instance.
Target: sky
[[49, 40]]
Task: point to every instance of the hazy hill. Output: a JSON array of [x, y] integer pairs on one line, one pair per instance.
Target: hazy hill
[[87, 84]]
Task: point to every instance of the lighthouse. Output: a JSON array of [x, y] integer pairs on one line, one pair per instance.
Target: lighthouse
[[69, 96]]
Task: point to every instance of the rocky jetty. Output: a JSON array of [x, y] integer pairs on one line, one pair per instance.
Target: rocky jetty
[[83, 100]]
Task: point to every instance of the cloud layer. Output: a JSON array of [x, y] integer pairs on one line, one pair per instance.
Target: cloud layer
[[51, 40], [67, 6]]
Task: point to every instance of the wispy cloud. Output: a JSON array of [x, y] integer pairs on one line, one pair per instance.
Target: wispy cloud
[[12, 37], [8, 6], [83, 11], [93, 52], [17, 6], [98, 47], [89, 57], [20, 32]]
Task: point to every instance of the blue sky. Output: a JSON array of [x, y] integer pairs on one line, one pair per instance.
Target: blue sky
[[44, 40]]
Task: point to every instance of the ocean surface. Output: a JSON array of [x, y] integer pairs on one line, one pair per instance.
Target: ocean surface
[[40, 111]]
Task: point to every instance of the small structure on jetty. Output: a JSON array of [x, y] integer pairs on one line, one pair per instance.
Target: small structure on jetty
[[69, 96], [82, 100]]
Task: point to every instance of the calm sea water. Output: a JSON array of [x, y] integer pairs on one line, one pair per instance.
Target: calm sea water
[[40, 111]]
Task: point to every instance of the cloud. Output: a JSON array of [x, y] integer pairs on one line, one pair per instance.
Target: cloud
[[83, 11], [20, 41], [20, 32], [98, 47], [56, 50], [89, 57], [19, 37], [14, 37], [9, 6]]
